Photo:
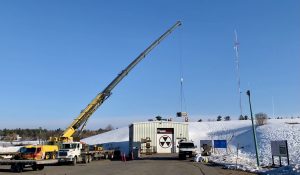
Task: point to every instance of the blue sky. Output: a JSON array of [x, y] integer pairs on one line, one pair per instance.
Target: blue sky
[[57, 55]]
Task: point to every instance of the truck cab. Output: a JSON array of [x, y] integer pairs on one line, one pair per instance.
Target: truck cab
[[186, 149], [73, 152]]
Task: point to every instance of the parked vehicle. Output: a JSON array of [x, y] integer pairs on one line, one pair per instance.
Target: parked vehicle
[[186, 149], [79, 152], [37, 152], [35, 157]]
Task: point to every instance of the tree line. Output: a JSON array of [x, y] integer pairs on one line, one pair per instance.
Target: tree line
[[44, 134], [260, 118]]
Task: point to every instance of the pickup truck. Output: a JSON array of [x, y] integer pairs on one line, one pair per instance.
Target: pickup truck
[[186, 149]]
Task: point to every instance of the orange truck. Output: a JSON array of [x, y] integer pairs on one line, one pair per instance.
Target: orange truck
[[38, 152]]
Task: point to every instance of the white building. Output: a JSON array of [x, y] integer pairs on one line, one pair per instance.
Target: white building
[[163, 136]]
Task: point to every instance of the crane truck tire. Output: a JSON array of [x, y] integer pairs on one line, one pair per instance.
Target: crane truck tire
[[54, 155], [47, 156], [90, 159]]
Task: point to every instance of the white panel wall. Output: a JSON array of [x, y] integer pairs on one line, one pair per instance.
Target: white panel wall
[[137, 131]]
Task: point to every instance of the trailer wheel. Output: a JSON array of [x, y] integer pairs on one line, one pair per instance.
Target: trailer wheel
[[17, 168], [34, 167], [40, 167], [74, 161]]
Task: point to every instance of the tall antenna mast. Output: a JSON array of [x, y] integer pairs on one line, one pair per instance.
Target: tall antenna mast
[[181, 93], [273, 106], [237, 62], [182, 98]]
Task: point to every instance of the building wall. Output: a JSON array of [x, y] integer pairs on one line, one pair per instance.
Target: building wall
[[137, 131]]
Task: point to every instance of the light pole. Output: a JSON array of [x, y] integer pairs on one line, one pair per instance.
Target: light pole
[[253, 129]]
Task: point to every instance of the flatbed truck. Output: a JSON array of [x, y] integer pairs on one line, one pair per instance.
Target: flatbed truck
[[19, 165]]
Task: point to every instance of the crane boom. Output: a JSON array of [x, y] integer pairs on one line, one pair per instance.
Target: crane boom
[[102, 96]]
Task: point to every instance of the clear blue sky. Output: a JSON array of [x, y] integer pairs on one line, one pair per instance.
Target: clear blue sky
[[57, 55]]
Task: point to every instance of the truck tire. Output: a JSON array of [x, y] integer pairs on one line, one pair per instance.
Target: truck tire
[[90, 159], [47, 156], [54, 155], [74, 161], [182, 156], [85, 159]]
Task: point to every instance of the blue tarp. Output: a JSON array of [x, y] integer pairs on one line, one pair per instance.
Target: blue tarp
[[220, 144]]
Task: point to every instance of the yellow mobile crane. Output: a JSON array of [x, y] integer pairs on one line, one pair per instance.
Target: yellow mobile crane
[[85, 114]]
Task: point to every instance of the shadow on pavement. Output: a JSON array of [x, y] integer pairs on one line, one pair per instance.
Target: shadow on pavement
[[159, 157]]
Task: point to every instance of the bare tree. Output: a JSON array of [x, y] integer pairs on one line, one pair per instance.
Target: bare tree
[[241, 117], [261, 118], [109, 127]]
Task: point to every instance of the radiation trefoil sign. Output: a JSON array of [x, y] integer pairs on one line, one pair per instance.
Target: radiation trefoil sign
[[165, 141]]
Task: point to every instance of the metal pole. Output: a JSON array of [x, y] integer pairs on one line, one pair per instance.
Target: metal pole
[[253, 129], [287, 152], [237, 155]]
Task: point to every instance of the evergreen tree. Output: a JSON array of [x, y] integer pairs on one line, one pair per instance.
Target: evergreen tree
[[241, 117], [227, 118]]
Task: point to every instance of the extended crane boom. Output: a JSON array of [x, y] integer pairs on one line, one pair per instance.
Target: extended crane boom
[[102, 96]]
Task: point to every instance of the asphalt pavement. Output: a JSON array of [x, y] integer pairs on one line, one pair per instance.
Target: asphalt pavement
[[147, 165]]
